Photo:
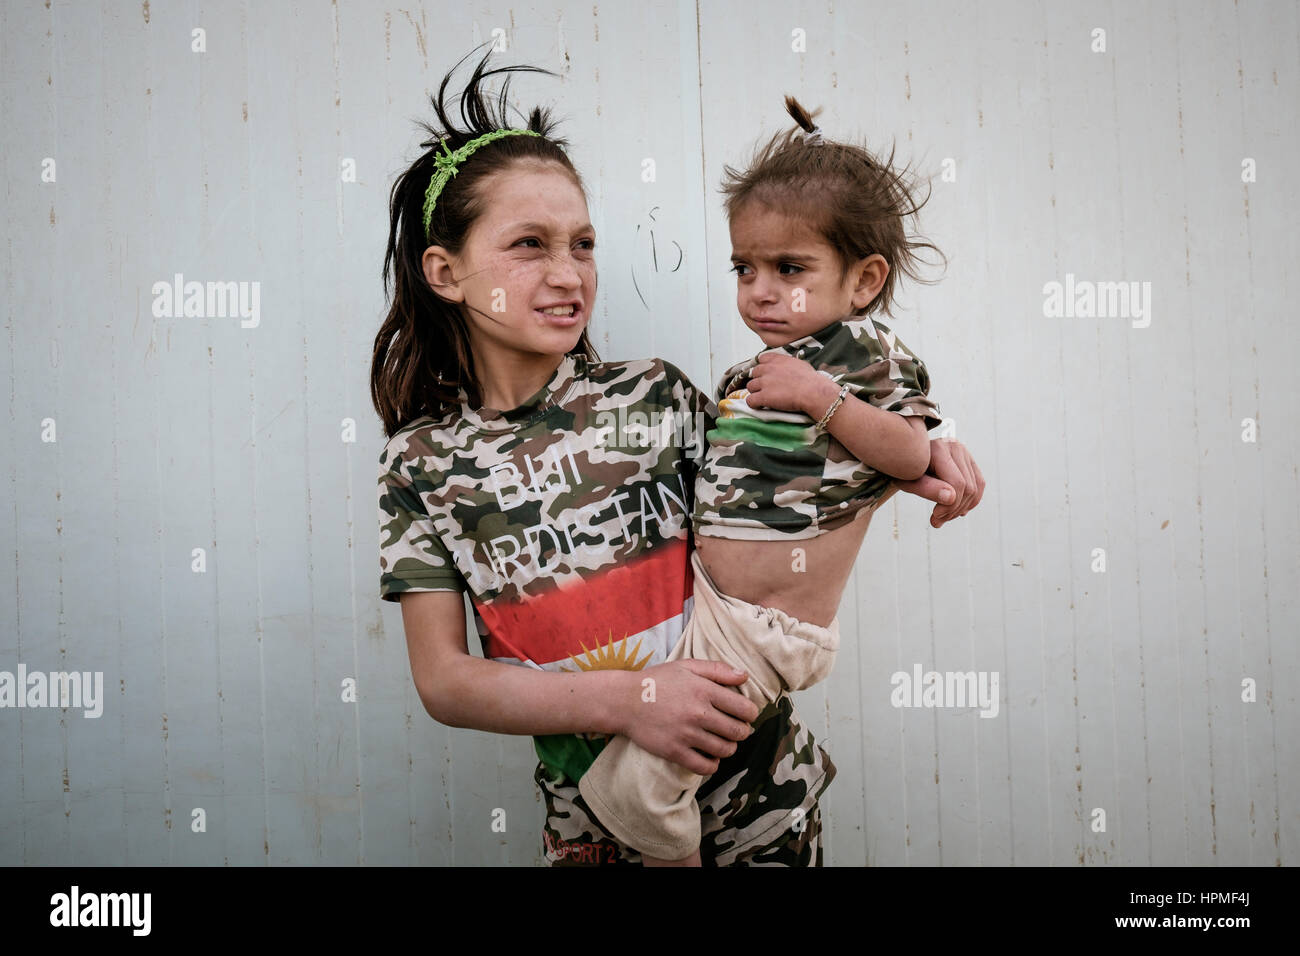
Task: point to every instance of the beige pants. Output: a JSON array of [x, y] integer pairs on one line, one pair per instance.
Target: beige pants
[[647, 802]]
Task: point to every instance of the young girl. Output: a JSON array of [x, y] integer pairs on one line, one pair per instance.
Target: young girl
[[784, 498], [497, 480]]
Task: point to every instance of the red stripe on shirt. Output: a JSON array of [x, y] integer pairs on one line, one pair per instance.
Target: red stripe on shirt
[[629, 598]]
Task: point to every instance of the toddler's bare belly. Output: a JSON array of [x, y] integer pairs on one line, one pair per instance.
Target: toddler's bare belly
[[764, 572]]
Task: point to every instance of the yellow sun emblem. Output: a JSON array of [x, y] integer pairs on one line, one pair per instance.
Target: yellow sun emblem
[[728, 405], [605, 658]]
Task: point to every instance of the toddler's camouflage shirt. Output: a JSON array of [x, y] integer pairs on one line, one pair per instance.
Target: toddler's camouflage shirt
[[768, 474]]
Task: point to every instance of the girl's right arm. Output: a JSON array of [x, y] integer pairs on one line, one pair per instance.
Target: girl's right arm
[[693, 710]]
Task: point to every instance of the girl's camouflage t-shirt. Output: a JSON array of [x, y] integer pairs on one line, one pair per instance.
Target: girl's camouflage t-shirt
[[567, 520]]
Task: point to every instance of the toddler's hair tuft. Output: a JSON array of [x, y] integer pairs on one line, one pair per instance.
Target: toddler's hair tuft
[[857, 202]]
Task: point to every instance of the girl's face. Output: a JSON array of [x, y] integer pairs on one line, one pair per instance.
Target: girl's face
[[788, 277], [532, 248]]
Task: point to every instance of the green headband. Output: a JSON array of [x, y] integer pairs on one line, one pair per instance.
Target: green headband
[[447, 162]]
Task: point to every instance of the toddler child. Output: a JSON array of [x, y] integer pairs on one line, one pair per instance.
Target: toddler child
[[809, 439]]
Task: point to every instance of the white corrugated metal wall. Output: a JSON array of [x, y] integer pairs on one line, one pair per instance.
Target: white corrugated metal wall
[[1159, 150]]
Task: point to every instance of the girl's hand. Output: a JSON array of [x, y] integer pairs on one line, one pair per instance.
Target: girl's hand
[[952, 471], [693, 710], [786, 383]]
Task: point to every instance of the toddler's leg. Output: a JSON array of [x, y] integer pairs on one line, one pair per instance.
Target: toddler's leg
[[645, 801], [648, 802], [692, 860]]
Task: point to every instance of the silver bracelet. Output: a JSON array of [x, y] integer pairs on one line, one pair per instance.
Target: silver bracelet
[[821, 425]]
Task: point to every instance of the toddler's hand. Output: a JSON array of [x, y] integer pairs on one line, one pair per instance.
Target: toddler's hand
[[786, 383]]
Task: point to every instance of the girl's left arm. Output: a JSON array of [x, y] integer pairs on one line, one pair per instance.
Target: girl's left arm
[[953, 480]]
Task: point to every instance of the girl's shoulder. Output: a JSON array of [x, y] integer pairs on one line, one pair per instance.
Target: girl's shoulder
[[433, 441], [417, 439], [632, 370], [628, 381]]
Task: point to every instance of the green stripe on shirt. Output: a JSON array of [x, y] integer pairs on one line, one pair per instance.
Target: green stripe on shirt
[[788, 436]]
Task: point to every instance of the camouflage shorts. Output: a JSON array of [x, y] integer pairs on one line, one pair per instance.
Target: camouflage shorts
[[759, 809]]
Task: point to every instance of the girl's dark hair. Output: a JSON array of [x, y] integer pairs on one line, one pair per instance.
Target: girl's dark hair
[[422, 353], [855, 201]]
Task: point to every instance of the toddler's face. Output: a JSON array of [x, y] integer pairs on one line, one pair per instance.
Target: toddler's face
[[788, 277]]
